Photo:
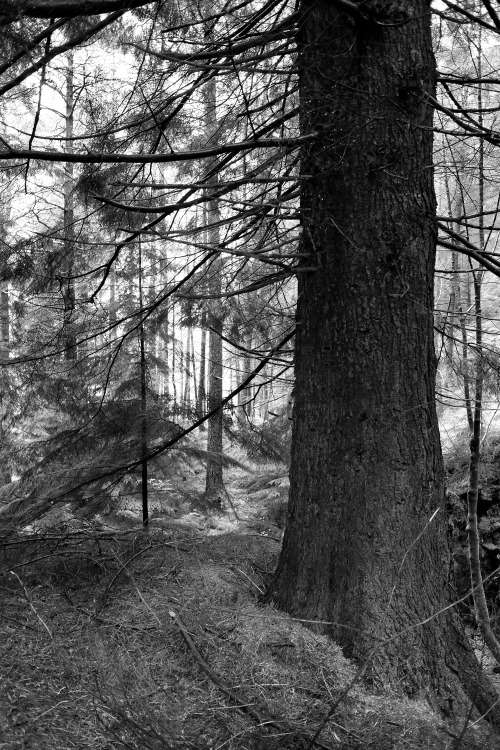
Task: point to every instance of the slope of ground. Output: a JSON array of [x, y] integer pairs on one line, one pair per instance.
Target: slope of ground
[[156, 640]]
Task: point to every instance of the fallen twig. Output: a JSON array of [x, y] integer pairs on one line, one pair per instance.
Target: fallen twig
[[239, 702], [32, 606]]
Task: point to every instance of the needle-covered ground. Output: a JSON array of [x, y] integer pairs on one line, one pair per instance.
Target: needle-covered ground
[[155, 640]]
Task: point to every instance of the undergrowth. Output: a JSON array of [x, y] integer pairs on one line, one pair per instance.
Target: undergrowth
[[157, 640]]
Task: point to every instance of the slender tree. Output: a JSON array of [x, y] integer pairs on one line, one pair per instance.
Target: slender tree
[[201, 392], [144, 402], [68, 288], [214, 484], [5, 471]]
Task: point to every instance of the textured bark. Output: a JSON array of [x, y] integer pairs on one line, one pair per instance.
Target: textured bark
[[360, 551], [5, 473]]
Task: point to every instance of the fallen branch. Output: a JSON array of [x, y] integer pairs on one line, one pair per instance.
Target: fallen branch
[[235, 698]]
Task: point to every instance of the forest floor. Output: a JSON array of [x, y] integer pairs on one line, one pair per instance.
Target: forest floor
[[115, 637]]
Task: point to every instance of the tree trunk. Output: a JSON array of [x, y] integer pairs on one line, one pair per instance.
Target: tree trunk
[[214, 489], [245, 397], [173, 365], [360, 550], [165, 335], [182, 371], [5, 473], [201, 396], [70, 343], [188, 373], [144, 403], [192, 368]]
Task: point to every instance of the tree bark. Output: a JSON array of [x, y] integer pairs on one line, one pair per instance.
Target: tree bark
[[360, 550], [5, 472], [201, 395], [144, 401], [214, 487], [246, 396], [173, 364], [68, 289]]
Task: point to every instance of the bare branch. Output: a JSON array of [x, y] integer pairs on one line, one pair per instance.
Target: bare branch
[[14, 9], [231, 51], [492, 12], [471, 16], [30, 45], [205, 153], [80, 39]]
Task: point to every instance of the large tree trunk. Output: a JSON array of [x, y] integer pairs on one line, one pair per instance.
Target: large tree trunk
[[360, 551]]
